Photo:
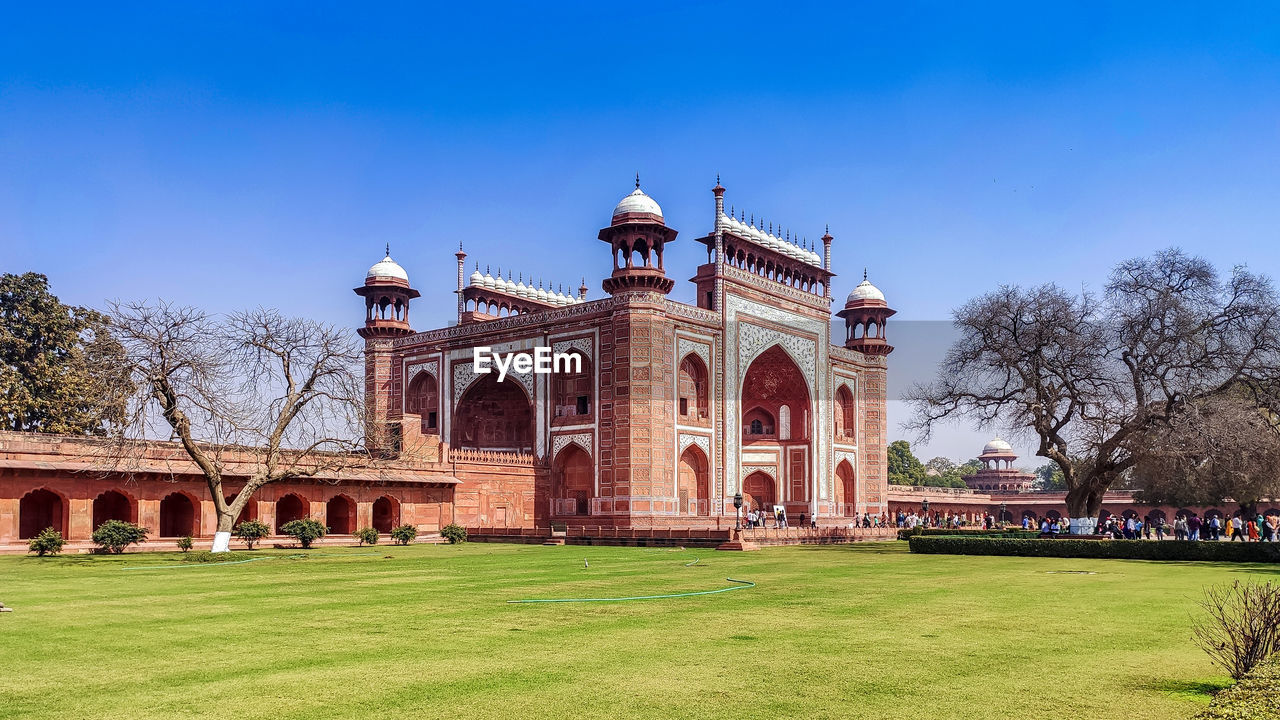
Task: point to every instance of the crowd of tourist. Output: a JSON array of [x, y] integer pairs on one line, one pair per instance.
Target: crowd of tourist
[[1262, 528], [1259, 528]]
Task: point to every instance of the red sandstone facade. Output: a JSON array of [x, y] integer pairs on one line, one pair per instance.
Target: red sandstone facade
[[674, 410]]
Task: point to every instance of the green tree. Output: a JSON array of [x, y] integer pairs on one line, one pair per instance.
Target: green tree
[[1049, 477], [61, 369], [904, 467]]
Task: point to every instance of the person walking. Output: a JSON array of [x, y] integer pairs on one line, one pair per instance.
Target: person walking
[[1237, 528]]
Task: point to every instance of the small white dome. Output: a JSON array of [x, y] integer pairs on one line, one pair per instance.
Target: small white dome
[[386, 267], [508, 285], [997, 446], [637, 202], [866, 291], [477, 278], [488, 281], [541, 295]]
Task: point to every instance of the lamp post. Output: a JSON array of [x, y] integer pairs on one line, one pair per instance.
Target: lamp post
[[1003, 506], [924, 510], [737, 511]]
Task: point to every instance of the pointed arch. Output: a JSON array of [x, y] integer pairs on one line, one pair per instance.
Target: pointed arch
[[693, 482], [179, 516], [846, 489], [572, 391], [572, 481], [114, 505], [386, 514], [773, 380], [845, 415], [39, 509], [494, 415], [340, 514], [759, 490], [692, 390], [290, 507], [423, 399]]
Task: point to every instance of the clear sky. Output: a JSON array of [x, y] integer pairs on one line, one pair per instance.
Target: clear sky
[[225, 154]]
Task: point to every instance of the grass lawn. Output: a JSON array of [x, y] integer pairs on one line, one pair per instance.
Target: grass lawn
[[861, 631]]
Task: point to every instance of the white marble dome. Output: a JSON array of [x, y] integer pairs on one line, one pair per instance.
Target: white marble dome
[[386, 267], [997, 446], [866, 291], [637, 202]]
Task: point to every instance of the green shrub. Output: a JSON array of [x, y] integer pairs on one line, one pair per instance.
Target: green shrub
[[185, 543], [454, 533], [304, 530], [1067, 547], [1255, 697], [116, 535], [205, 556], [404, 534], [251, 531], [48, 542], [367, 536]]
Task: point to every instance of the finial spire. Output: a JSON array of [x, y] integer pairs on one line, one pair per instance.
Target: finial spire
[[388, 249], [864, 274], [637, 181]]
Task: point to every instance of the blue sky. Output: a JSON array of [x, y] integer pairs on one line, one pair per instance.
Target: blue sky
[[225, 155]]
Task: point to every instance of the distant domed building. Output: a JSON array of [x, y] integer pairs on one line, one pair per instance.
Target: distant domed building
[[998, 473]]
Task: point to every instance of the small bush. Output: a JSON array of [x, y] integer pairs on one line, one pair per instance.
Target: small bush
[[367, 536], [1066, 547], [404, 534], [1256, 695], [454, 533], [116, 535], [251, 531], [304, 530], [205, 556], [1242, 627], [48, 542], [185, 543]]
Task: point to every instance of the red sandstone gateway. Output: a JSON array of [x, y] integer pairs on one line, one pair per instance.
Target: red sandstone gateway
[[675, 408]]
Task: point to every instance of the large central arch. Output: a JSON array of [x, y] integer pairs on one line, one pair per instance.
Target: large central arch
[[494, 415], [776, 410]]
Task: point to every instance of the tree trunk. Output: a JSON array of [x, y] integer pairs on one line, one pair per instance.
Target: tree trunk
[[222, 538], [1084, 502]]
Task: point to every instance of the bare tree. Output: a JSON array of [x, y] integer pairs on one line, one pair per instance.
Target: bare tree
[[1213, 450], [1242, 625], [252, 396], [1089, 376]]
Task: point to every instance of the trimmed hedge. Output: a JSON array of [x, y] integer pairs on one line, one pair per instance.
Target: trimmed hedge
[[1122, 549], [1255, 697], [905, 534]]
